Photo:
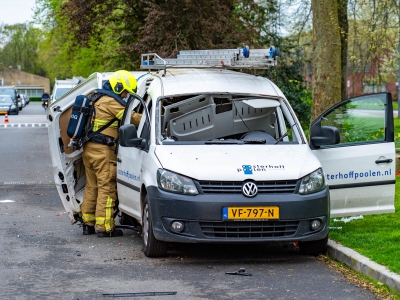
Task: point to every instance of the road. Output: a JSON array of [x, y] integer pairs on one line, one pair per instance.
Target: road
[[45, 257]]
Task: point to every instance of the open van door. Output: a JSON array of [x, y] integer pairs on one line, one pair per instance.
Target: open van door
[[354, 141]]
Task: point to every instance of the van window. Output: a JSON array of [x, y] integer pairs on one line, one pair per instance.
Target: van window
[[60, 92], [359, 120], [144, 130]]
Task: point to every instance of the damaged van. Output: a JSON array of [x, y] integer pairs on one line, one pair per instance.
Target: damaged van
[[219, 155]]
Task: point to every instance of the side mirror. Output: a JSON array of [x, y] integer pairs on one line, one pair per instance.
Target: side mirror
[[328, 135], [128, 136], [143, 144]]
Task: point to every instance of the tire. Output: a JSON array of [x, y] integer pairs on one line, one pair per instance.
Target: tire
[[314, 248], [152, 247]]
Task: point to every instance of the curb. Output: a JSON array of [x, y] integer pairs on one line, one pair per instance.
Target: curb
[[364, 265]]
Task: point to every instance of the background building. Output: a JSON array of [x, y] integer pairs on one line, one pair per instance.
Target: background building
[[25, 83]]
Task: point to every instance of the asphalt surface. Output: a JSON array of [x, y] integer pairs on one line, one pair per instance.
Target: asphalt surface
[[44, 257]]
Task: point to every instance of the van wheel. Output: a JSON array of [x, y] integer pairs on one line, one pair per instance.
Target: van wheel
[[314, 247], [152, 247]]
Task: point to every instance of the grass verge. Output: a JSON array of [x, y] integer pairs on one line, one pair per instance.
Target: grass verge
[[376, 237], [396, 132]]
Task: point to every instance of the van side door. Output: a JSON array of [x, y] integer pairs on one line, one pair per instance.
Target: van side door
[[130, 161], [354, 141]]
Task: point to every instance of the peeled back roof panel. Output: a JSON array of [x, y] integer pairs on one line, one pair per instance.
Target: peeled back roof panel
[[187, 81]]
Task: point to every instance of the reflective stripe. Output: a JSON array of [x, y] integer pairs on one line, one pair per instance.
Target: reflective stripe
[[108, 220], [97, 124], [87, 218], [120, 114]]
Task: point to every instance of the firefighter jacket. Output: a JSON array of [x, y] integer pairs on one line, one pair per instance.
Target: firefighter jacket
[[106, 109]]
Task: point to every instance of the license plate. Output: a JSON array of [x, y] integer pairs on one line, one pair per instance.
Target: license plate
[[3, 111], [245, 213]]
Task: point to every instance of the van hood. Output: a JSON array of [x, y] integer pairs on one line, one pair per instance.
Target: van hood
[[238, 162]]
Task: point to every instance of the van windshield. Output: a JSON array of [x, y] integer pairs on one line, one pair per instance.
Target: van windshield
[[227, 120], [60, 92]]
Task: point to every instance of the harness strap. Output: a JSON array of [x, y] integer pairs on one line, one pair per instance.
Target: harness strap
[[84, 110], [98, 132]]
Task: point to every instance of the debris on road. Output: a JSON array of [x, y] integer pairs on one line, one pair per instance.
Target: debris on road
[[140, 294], [241, 271]]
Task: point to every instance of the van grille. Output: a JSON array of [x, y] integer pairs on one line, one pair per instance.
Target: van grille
[[235, 187], [249, 229]]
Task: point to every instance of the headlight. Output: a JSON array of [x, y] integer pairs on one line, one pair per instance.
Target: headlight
[[312, 183], [13, 106], [175, 183]]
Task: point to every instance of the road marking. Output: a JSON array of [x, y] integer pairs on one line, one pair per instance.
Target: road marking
[[19, 125], [26, 182], [6, 201]]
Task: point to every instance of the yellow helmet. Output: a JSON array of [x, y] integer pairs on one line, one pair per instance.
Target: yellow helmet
[[123, 80]]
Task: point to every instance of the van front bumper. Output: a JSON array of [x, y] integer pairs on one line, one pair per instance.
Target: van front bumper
[[203, 223]]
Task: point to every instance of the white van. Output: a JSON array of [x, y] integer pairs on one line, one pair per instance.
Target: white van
[[220, 157], [62, 86]]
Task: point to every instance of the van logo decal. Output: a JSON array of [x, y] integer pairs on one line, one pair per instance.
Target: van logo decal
[[247, 169], [249, 189], [129, 175]]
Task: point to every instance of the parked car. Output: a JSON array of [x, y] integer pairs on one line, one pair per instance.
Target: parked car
[[7, 105], [11, 91], [24, 99], [219, 156]]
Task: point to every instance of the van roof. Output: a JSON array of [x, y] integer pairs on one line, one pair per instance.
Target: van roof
[[191, 81]]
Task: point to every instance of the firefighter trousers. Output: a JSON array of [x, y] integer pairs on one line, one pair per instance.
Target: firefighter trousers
[[98, 204]]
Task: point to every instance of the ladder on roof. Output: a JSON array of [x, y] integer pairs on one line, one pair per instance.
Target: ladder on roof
[[240, 58]]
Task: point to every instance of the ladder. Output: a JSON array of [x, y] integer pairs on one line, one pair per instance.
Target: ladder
[[240, 58]]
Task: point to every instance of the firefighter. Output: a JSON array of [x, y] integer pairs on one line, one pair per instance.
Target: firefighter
[[99, 158]]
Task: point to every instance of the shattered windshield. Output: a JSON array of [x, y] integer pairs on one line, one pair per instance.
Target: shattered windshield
[[225, 119]]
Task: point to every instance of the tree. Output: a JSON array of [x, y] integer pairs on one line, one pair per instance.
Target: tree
[[62, 56], [329, 22], [327, 75], [166, 26], [344, 32], [19, 47]]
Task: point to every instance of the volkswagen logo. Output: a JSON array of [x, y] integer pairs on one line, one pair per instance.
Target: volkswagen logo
[[249, 189]]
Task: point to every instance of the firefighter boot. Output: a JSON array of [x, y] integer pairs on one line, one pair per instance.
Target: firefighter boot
[[88, 229], [115, 232]]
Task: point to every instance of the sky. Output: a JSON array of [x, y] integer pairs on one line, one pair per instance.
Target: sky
[[16, 11]]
